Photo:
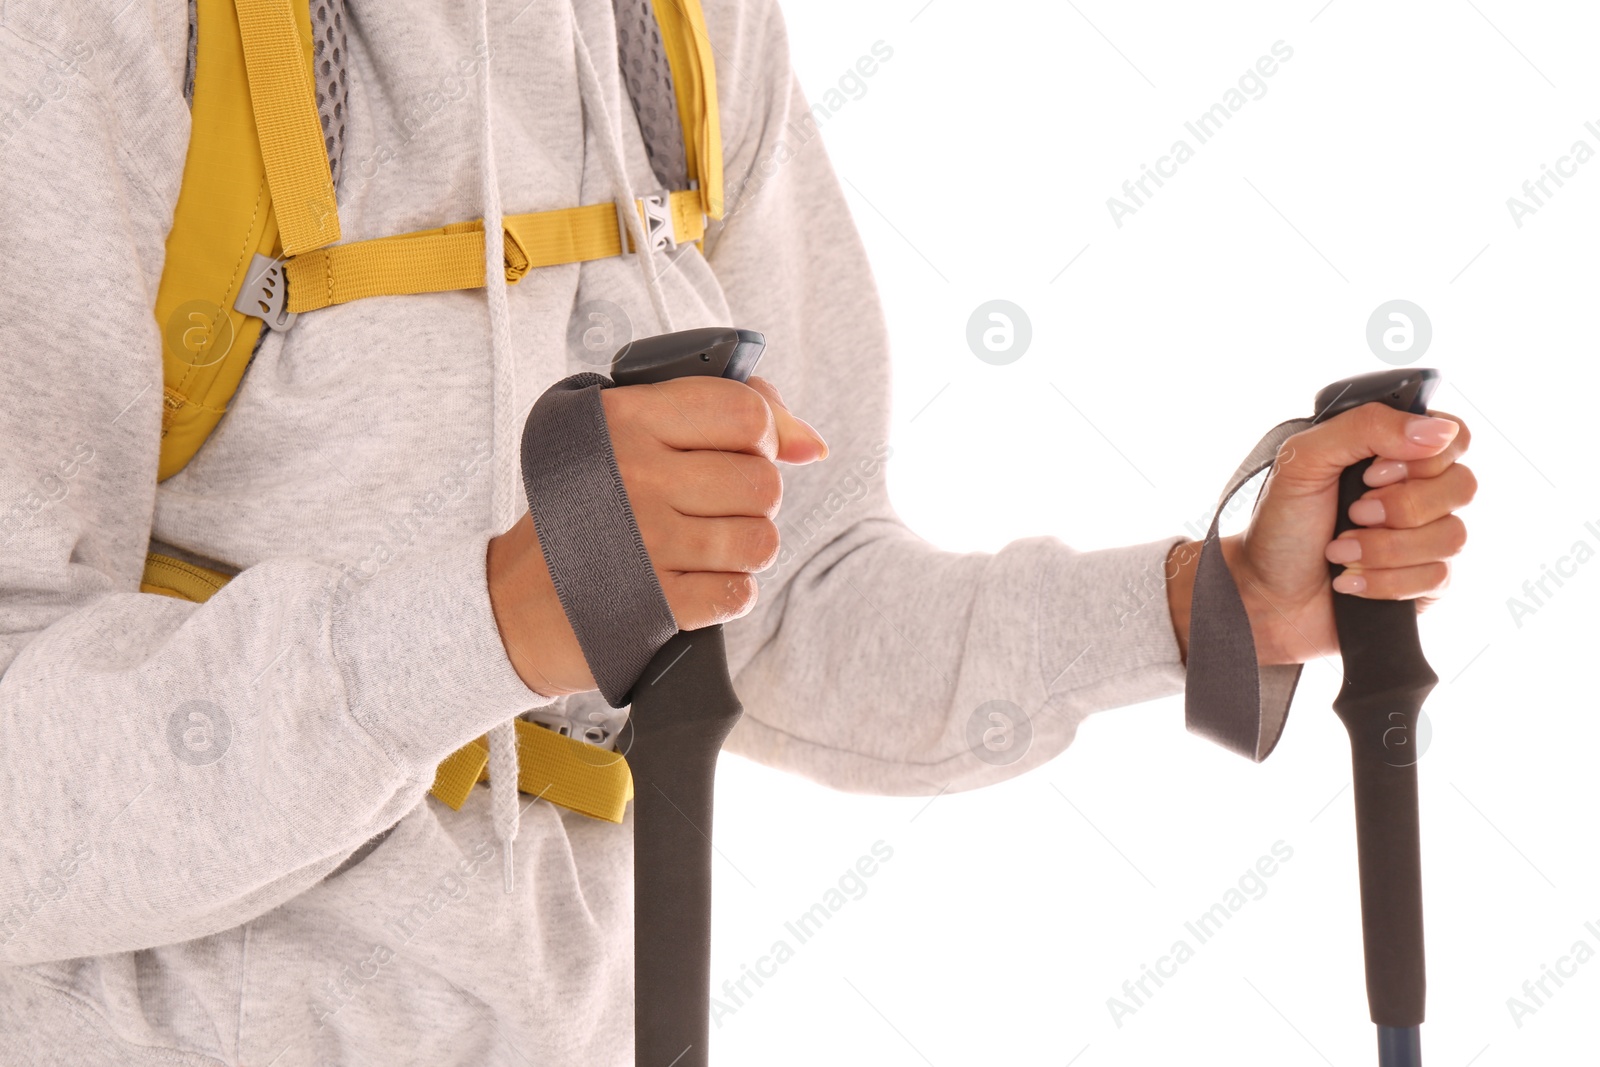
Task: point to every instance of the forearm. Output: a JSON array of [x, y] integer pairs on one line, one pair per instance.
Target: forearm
[[175, 769], [870, 666]]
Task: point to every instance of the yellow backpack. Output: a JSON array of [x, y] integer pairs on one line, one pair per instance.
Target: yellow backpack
[[255, 242]]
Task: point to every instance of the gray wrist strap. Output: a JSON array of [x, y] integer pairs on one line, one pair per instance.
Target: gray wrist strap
[[1228, 697], [590, 539]]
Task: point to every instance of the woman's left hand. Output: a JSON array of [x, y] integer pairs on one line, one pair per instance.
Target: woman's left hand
[[1407, 530]]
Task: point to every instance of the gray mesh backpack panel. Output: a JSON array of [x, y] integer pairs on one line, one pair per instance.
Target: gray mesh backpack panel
[[328, 56], [643, 61]]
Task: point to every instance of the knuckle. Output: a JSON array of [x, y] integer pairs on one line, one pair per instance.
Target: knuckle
[[1400, 510], [707, 546], [1381, 423], [1469, 483], [739, 593], [692, 400], [1379, 419], [1377, 547], [1373, 422], [1439, 575], [1372, 418], [759, 547], [769, 486], [747, 412], [646, 481], [1457, 538]]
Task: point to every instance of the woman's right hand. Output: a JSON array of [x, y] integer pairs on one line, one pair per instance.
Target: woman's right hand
[[699, 460]]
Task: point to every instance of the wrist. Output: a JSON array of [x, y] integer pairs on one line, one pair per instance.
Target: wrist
[[1265, 620], [1182, 560], [538, 640]]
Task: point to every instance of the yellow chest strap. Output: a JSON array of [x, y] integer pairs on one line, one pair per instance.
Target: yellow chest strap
[[568, 773], [451, 257]]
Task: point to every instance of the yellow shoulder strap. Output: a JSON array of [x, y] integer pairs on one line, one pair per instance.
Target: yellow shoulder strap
[[278, 54], [224, 218], [694, 83]]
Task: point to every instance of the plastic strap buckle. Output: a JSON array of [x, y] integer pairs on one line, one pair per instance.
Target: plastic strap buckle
[[656, 211], [594, 732], [265, 294]]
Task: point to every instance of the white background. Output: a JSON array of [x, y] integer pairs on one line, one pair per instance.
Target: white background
[[1377, 166]]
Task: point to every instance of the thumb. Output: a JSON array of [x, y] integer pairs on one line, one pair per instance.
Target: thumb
[[1313, 459], [798, 440]]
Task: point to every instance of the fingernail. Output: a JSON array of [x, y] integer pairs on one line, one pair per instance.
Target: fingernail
[[815, 436], [1350, 583], [1343, 550], [1430, 432], [1366, 512], [1385, 472]]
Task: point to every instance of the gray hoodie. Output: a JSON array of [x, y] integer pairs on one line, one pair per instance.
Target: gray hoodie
[[189, 795]]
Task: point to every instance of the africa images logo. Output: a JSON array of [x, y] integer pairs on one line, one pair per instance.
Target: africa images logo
[[199, 733], [199, 332], [999, 732]]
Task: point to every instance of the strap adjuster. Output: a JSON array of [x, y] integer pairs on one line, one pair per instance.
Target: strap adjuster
[[655, 209], [594, 732], [265, 293]]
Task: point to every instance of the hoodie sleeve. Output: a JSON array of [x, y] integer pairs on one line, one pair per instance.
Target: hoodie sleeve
[[167, 769], [874, 661]]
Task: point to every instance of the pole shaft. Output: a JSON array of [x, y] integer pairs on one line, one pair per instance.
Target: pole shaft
[[1386, 679]]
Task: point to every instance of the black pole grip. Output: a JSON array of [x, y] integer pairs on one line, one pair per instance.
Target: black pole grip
[[1386, 679]]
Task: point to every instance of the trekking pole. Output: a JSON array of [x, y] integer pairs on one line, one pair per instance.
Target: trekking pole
[[683, 703], [1386, 679], [683, 709]]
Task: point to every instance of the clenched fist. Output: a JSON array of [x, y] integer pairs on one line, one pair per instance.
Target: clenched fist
[[699, 460], [1408, 529]]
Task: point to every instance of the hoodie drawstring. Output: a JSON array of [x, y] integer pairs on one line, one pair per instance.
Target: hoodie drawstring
[[503, 769], [503, 764]]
